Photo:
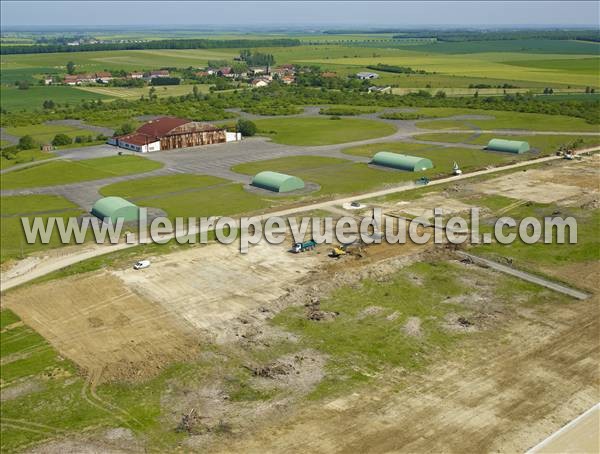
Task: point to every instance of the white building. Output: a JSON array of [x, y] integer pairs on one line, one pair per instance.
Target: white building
[[367, 75]]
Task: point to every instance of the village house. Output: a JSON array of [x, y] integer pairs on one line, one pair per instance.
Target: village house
[[226, 71], [104, 77], [159, 73], [135, 75], [288, 80], [48, 80], [375, 89], [260, 82]]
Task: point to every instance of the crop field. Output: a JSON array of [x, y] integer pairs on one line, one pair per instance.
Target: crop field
[[66, 172], [322, 131], [120, 59], [136, 93], [14, 99], [486, 64]]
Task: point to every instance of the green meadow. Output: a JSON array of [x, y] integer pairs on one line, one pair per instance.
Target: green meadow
[[65, 172], [322, 131]]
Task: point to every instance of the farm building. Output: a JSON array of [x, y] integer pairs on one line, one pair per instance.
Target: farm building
[[168, 133], [367, 75], [401, 161], [277, 182], [509, 146], [114, 208]]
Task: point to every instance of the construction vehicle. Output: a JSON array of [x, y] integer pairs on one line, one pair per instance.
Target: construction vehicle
[[456, 170], [422, 181], [302, 247], [337, 252]]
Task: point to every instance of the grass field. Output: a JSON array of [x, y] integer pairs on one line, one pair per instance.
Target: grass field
[[508, 120], [25, 156], [43, 133], [546, 144], [12, 238], [189, 195], [65, 172], [322, 131], [338, 176], [14, 99]]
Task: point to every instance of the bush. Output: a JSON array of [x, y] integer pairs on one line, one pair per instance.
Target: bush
[[126, 128], [61, 139], [26, 143], [335, 117], [101, 138], [246, 127]]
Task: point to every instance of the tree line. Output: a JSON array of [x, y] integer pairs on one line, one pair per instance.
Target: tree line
[[157, 44]]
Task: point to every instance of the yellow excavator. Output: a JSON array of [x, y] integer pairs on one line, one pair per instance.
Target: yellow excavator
[[337, 252]]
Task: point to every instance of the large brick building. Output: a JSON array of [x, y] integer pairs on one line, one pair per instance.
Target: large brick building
[[168, 133]]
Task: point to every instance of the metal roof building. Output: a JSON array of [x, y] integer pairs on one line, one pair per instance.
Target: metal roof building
[[401, 161], [277, 182], [114, 208], [509, 146]]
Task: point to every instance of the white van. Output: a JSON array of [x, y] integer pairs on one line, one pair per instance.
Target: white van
[[141, 265]]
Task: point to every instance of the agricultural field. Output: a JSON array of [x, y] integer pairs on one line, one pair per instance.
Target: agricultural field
[[136, 93], [321, 131], [66, 172], [14, 99]]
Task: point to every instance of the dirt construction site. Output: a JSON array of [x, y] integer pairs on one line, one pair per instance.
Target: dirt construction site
[[519, 363]]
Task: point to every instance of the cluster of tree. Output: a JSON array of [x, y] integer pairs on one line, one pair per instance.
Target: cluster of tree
[[23, 84], [246, 127], [590, 90], [156, 44], [396, 69], [165, 81], [316, 79], [505, 85], [129, 83], [548, 91], [278, 99], [237, 67], [256, 58]]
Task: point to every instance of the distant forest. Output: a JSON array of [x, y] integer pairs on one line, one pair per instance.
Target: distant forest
[[158, 44], [480, 35]]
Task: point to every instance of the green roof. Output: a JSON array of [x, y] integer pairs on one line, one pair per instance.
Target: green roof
[[277, 182], [401, 161], [510, 146], [114, 208]]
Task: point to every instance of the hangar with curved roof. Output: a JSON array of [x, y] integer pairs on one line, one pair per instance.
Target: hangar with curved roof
[[277, 182], [509, 146], [401, 161], [114, 208]]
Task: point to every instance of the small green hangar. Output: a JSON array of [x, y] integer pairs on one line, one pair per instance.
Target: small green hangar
[[508, 146], [114, 208], [401, 161], [277, 182]]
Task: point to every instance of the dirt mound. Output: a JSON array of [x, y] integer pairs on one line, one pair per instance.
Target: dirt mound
[[412, 327]]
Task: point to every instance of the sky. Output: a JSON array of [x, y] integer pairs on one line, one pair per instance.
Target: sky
[[274, 14]]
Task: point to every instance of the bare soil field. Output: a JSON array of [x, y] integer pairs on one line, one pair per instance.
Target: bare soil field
[[505, 393], [104, 327], [209, 286], [569, 182]]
